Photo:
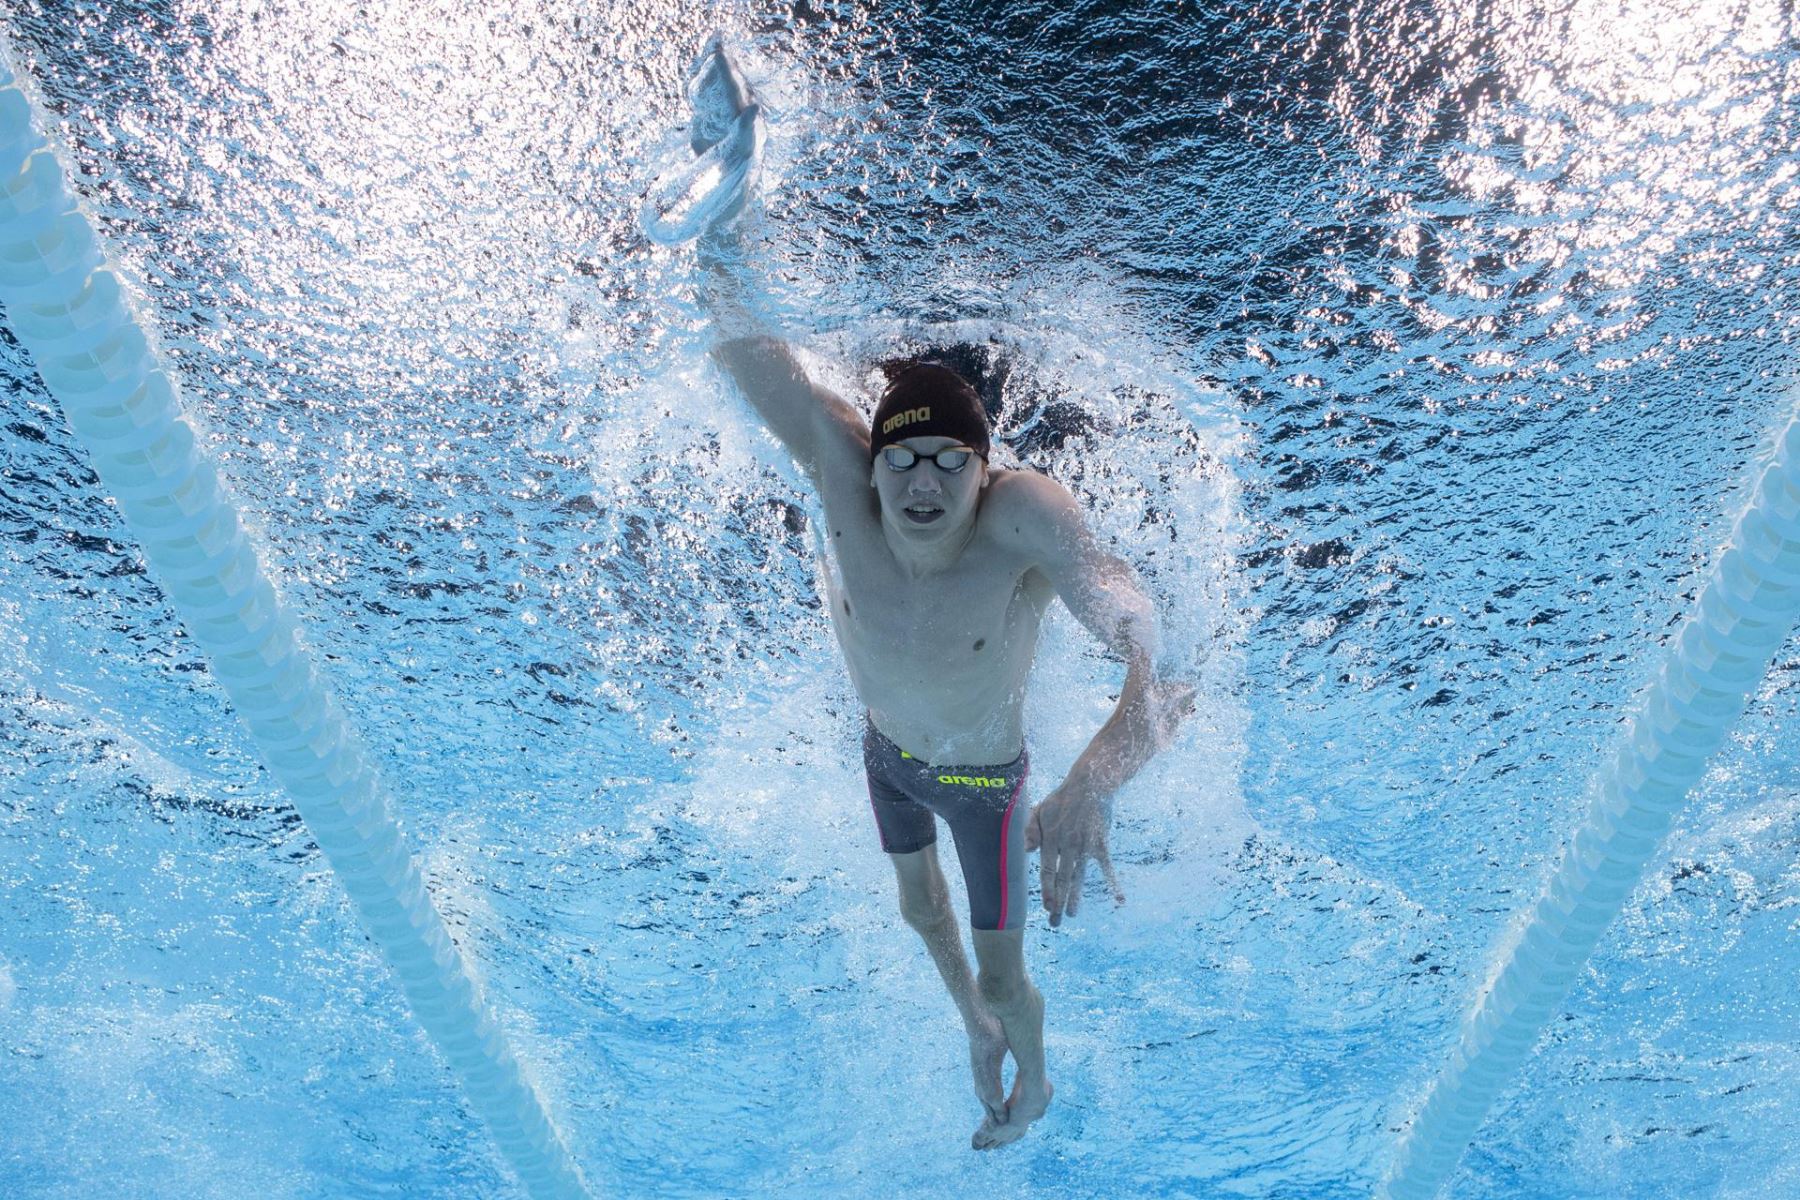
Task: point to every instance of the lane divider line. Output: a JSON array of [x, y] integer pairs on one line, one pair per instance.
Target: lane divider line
[[67, 309], [1723, 651]]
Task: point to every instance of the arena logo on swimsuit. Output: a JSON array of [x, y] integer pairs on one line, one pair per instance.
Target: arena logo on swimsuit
[[905, 418], [972, 780]]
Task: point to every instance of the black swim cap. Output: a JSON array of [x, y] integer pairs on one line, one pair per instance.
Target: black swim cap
[[926, 400]]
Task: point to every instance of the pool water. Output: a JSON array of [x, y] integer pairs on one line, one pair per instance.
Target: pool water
[[1421, 357]]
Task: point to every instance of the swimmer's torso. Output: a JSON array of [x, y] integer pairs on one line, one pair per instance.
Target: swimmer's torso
[[941, 660]]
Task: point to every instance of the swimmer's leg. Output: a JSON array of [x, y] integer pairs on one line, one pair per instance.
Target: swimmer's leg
[[925, 905], [1013, 998]]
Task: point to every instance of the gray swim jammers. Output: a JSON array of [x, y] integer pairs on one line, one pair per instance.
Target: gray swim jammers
[[981, 806]]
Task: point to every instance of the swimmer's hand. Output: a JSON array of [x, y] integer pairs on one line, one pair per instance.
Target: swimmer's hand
[[1070, 825], [717, 95], [704, 193]]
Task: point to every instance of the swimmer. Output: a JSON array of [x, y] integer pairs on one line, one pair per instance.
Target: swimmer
[[945, 568]]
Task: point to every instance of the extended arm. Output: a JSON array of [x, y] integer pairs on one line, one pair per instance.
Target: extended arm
[[706, 198], [817, 426]]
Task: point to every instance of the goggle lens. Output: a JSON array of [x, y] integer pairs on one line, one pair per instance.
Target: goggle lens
[[904, 458]]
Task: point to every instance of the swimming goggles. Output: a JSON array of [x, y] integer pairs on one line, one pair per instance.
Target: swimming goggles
[[904, 458]]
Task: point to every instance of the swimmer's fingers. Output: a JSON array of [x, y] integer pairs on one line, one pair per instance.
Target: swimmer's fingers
[[1059, 896], [1077, 881], [1097, 850], [1048, 886], [1106, 869], [1055, 867], [1034, 831]]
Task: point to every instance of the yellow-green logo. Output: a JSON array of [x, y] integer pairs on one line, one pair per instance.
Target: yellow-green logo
[[906, 418], [972, 780]]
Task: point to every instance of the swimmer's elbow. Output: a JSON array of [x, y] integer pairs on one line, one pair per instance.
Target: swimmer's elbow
[[748, 351], [753, 344], [1125, 622], [1135, 634], [763, 368], [1140, 633]]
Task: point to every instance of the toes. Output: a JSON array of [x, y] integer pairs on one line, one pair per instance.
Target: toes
[[990, 1135]]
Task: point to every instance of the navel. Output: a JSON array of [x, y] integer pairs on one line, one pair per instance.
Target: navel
[[846, 608], [980, 642]]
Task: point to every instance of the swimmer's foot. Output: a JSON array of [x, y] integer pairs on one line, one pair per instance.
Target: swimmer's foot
[[1025, 1105], [987, 1052]]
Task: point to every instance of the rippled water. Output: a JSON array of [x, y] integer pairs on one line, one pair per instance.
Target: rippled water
[[1420, 354]]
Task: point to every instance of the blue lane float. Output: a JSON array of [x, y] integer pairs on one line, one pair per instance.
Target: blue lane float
[[66, 307], [1723, 651]]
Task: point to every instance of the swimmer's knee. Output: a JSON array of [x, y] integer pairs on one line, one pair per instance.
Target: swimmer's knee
[[924, 897], [922, 910], [1003, 987]]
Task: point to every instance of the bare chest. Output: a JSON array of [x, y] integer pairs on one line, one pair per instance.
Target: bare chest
[[936, 623], [960, 638]]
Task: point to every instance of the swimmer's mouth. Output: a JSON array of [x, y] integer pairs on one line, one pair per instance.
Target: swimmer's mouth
[[922, 514]]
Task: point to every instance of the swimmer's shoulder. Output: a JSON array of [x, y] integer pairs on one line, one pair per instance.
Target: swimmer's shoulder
[[1026, 510]]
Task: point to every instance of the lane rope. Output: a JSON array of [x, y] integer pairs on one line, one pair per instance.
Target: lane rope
[[1723, 651], [67, 308]]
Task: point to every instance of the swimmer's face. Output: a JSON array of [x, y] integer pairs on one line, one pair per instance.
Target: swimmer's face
[[925, 501]]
